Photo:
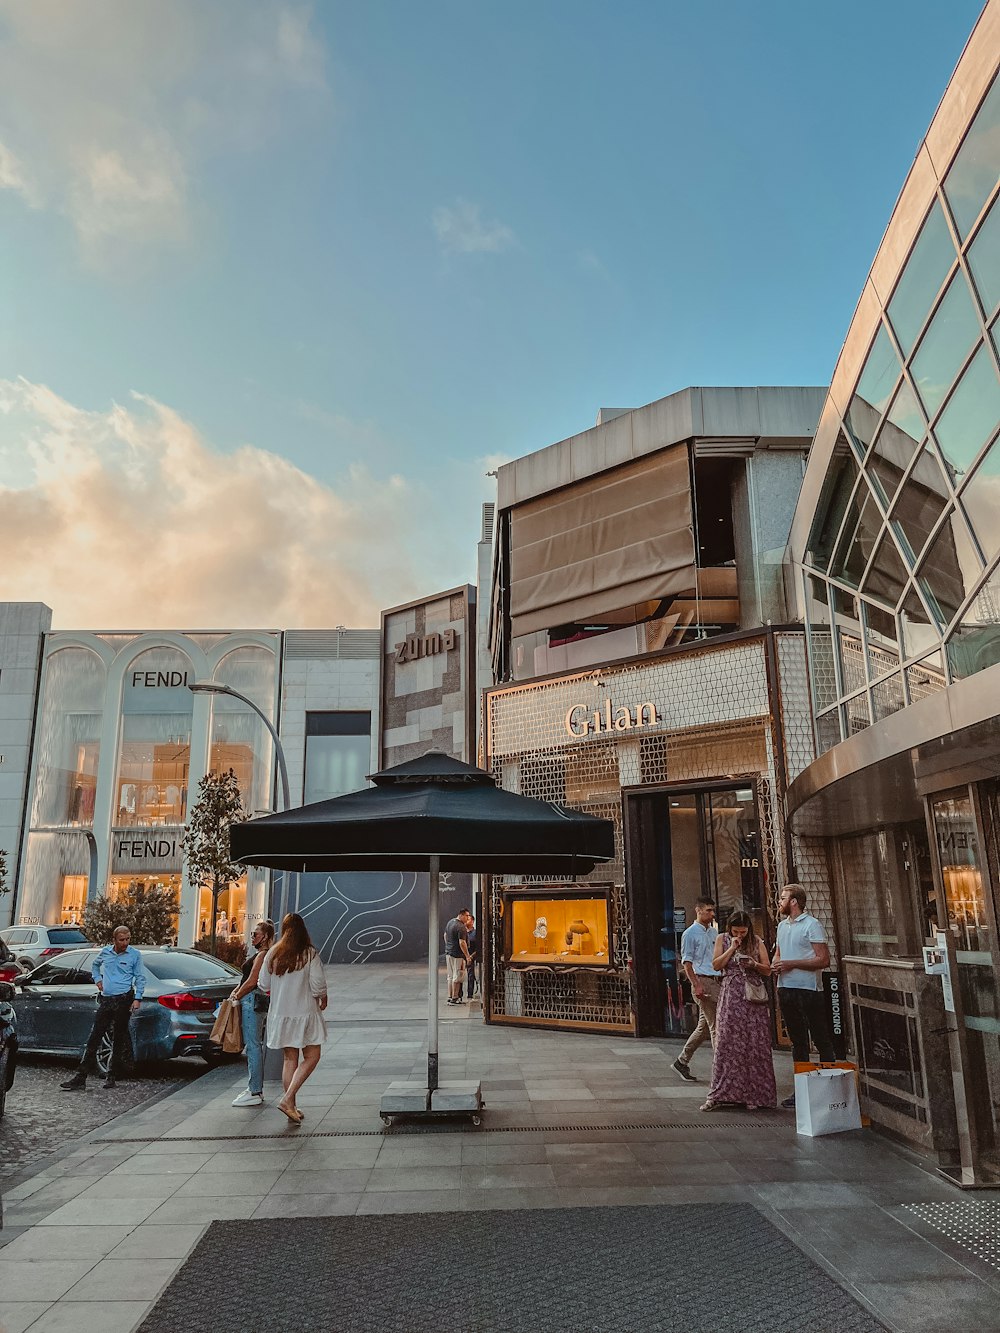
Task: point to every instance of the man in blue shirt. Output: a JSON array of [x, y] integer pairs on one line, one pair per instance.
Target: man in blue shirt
[[799, 960], [120, 980], [697, 948]]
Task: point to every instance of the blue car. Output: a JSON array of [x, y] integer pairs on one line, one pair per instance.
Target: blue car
[[56, 1004]]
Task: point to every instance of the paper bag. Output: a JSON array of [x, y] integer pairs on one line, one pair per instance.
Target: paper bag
[[826, 1102], [228, 1030]]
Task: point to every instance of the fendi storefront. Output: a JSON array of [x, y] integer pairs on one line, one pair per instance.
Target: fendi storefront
[[121, 745], [688, 754]]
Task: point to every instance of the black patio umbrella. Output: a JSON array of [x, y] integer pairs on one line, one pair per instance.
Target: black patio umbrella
[[433, 813]]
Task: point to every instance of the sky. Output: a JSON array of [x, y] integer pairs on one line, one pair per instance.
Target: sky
[[280, 284]]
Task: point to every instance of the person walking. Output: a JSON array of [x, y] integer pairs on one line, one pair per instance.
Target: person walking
[[292, 974], [743, 1069], [120, 980], [697, 951], [253, 1005], [456, 950], [798, 963]]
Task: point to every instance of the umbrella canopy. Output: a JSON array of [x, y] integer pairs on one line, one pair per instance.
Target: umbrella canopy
[[432, 806]]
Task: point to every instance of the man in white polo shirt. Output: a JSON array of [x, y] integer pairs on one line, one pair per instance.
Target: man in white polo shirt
[[697, 947], [799, 960]]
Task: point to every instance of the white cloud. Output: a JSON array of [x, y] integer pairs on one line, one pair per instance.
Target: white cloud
[[461, 230], [112, 110], [129, 517]]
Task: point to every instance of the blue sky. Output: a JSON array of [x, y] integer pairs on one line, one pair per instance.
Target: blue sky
[[350, 255]]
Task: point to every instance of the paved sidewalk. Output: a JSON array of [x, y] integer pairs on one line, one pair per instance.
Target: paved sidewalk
[[572, 1120]]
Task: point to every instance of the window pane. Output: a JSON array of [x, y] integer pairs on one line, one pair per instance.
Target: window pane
[[943, 348], [975, 641], [828, 731], [880, 632], [974, 171], [950, 570], [981, 501], [335, 765], [887, 696], [920, 635], [972, 414], [852, 661], [921, 501], [984, 259], [69, 738], [881, 371], [926, 677], [887, 576], [822, 677], [862, 423], [240, 741], [155, 752], [861, 532], [837, 486], [856, 713], [897, 442], [925, 271]]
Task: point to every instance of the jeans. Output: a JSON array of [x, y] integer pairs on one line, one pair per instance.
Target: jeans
[[470, 976], [113, 1011], [804, 1012], [253, 1039]]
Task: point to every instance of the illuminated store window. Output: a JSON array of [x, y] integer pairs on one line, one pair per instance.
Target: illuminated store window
[[974, 172], [155, 750], [232, 913], [240, 741], [949, 338], [119, 885], [74, 899], [925, 271], [68, 745], [338, 754]]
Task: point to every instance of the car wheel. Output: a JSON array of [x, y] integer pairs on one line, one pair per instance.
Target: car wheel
[[213, 1058], [4, 1057], [103, 1055], [26, 964]]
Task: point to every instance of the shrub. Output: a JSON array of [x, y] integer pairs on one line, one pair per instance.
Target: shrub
[[232, 951], [149, 911]]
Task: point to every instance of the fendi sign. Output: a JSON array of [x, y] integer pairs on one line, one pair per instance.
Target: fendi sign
[[145, 849], [580, 721], [416, 646]]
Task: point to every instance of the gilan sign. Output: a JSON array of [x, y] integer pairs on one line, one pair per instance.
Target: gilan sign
[[582, 721]]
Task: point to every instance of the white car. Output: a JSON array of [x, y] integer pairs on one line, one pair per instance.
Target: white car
[[32, 945]]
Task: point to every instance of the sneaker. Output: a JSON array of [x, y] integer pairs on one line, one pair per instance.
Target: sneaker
[[789, 1103], [75, 1083], [681, 1068], [248, 1098]]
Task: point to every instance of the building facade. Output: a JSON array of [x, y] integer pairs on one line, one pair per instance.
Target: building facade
[[895, 548], [637, 566]]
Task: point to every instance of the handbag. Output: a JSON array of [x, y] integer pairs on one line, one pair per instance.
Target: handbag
[[755, 990], [261, 1002]]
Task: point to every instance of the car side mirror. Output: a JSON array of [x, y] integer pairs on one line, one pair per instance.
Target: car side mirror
[[7, 991]]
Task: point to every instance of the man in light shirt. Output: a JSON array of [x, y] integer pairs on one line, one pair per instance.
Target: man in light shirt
[[120, 981], [799, 960], [697, 948]]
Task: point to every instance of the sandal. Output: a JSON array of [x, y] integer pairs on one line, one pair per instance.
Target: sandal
[[710, 1106], [286, 1110]]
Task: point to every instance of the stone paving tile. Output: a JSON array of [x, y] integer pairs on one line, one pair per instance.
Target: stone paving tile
[[124, 1280], [74, 1316], [124, 1186], [217, 1184], [17, 1316], [101, 1212], [158, 1242], [40, 1279], [309, 1205], [49, 1243], [211, 1208], [935, 1306], [345, 1181]]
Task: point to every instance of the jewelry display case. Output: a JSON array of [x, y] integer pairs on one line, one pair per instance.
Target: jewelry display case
[[558, 925]]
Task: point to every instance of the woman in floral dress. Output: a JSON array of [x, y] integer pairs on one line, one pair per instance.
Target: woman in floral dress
[[742, 1069]]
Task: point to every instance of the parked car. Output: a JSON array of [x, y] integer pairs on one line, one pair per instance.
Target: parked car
[[32, 945], [56, 1003], [8, 1042], [9, 966]]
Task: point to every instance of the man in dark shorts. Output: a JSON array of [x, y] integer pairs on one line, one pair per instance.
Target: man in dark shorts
[[456, 952]]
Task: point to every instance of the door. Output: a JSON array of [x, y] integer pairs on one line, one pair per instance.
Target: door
[[970, 912], [683, 845], [59, 1002]]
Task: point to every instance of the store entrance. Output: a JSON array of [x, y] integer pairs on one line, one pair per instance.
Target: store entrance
[[685, 843], [966, 827]]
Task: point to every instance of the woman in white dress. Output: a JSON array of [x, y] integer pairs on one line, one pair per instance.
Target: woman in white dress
[[293, 976]]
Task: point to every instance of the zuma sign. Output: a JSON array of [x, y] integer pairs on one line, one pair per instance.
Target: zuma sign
[[415, 646]]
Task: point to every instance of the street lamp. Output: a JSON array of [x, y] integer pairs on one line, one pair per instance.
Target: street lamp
[[216, 687]]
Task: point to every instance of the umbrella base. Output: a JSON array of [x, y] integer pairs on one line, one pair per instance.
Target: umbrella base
[[414, 1100]]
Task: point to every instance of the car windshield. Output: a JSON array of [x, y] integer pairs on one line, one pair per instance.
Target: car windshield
[[67, 935], [187, 968]]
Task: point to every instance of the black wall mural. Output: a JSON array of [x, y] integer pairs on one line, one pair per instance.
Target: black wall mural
[[372, 917]]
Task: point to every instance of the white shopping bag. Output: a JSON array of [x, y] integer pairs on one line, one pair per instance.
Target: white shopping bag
[[826, 1102]]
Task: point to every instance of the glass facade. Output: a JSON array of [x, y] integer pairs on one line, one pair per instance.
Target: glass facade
[[901, 580], [338, 754]]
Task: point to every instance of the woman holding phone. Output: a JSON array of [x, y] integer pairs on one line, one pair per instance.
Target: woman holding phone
[[742, 1068]]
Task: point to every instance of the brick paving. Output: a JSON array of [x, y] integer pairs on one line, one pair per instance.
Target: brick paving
[[573, 1122]]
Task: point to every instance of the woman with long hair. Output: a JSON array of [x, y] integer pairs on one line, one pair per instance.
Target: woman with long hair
[[742, 1067], [253, 1005], [293, 976]]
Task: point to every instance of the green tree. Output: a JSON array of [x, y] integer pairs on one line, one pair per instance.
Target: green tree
[[206, 836], [149, 911]]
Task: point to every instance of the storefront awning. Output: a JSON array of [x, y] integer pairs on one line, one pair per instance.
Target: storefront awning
[[614, 540]]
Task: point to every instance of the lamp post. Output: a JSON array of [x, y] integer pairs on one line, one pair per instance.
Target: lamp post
[[216, 687]]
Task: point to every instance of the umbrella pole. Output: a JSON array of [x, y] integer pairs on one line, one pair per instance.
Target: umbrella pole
[[433, 950]]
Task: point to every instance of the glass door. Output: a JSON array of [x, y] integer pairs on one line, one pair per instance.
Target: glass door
[[970, 917]]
